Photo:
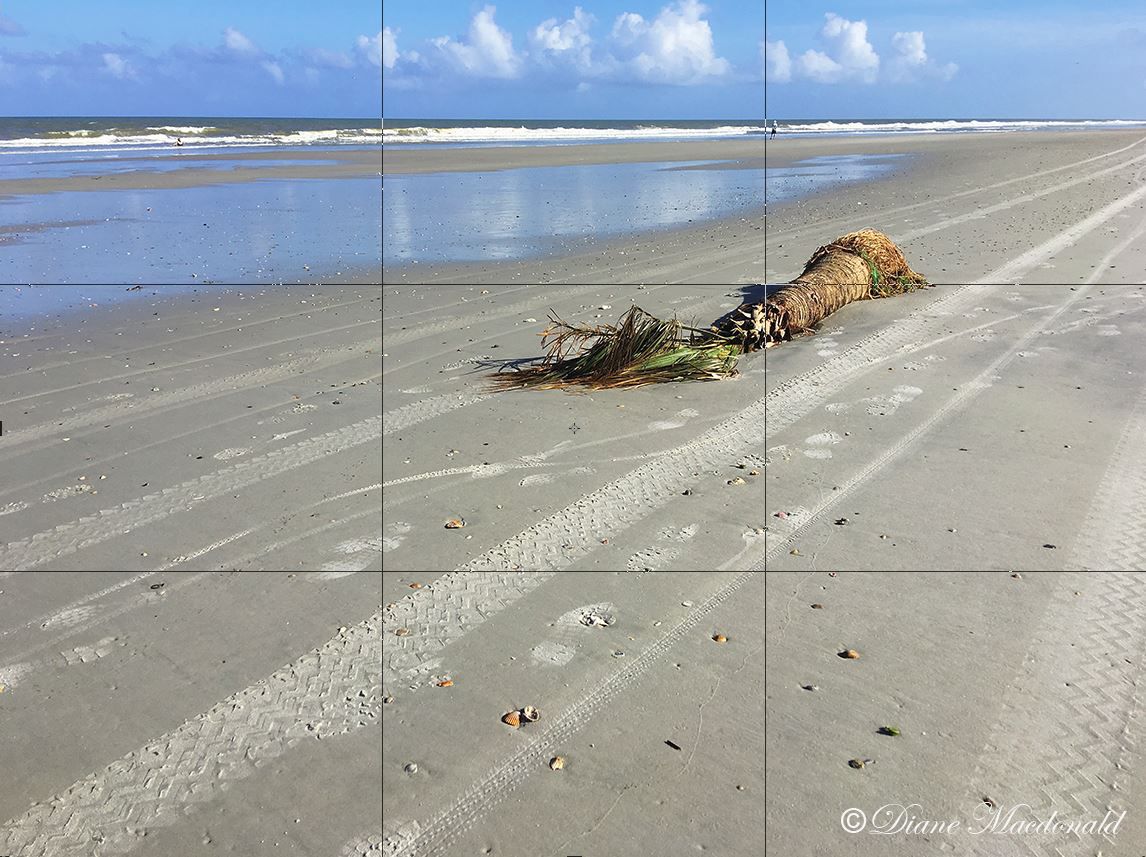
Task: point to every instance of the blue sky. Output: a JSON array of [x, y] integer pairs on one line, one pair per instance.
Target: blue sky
[[956, 59], [582, 59], [192, 58]]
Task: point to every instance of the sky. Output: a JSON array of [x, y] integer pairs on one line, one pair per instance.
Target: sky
[[911, 59], [296, 58], [591, 59]]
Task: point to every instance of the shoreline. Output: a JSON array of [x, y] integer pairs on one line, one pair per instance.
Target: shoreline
[[494, 158]]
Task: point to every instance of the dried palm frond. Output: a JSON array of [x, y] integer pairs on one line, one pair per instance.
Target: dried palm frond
[[642, 349]]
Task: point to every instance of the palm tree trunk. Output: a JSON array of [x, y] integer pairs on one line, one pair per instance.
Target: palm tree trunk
[[856, 266]]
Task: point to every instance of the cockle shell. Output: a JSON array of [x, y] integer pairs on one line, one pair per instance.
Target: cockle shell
[[512, 719], [719, 638], [557, 763], [530, 713], [849, 654]]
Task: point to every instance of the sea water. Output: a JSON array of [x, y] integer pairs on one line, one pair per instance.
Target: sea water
[[511, 214]]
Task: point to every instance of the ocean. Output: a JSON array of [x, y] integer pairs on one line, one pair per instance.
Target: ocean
[[853, 127], [31, 134], [556, 132]]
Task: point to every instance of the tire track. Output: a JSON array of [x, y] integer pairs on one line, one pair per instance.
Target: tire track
[[966, 393], [799, 232], [151, 370], [69, 538], [1114, 535], [436, 835], [442, 613], [160, 402], [330, 691], [1064, 738]]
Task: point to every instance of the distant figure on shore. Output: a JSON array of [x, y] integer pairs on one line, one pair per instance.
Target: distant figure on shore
[[179, 140], [772, 136]]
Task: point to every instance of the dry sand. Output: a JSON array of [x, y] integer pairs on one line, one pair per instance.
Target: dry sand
[[1024, 690], [987, 423], [207, 686], [218, 429], [660, 726], [723, 251]]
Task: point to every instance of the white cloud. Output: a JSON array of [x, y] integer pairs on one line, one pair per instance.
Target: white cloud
[[237, 42], [275, 71], [371, 48], [388, 46], [675, 47], [570, 38], [117, 66], [911, 61], [489, 51], [852, 58], [777, 62], [329, 59]]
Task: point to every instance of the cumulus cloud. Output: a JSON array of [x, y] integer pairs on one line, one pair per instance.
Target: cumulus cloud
[[852, 56], [569, 39], [275, 71], [487, 53], [238, 43], [777, 62], [117, 66], [911, 61], [389, 46], [371, 48], [675, 47]]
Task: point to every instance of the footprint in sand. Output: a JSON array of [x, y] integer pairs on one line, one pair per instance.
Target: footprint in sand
[[884, 406], [658, 556], [398, 531], [819, 444], [571, 631]]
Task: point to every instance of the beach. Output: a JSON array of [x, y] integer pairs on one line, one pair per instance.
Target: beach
[[250, 703], [636, 240], [970, 425], [991, 682], [985, 423], [202, 427], [658, 726]]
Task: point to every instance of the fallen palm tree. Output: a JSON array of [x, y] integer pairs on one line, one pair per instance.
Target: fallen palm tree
[[642, 349]]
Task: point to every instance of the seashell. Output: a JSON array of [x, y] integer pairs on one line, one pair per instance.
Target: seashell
[[720, 638], [857, 763], [850, 654], [557, 763], [411, 768], [512, 719], [530, 713], [402, 632], [387, 700], [415, 586], [455, 523], [447, 683]]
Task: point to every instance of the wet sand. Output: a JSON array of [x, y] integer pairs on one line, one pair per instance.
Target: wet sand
[[357, 163], [219, 428]]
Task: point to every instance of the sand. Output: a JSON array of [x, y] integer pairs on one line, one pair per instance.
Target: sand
[[357, 163], [722, 251], [183, 680], [994, 681], [989, 422], [1005, 413], [611, 698], [213, 428]]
